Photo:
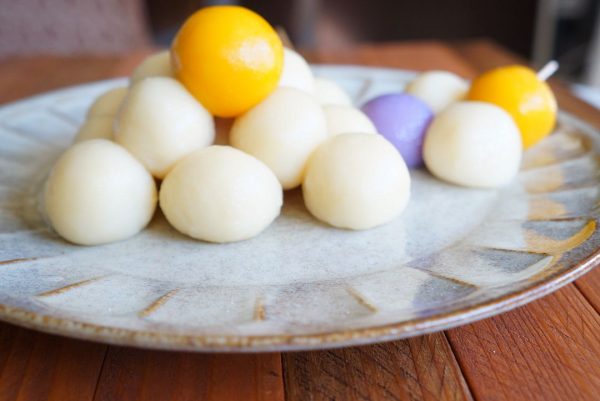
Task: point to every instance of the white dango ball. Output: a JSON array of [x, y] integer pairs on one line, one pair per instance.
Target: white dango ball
[[156, 65], [160, 122], [296, 72], [220, 194], [474, 144], [356, 181], [347, 119], [100, 127], [98, 193], [438, 89], [328, 92], [107, 104], [282, 131]]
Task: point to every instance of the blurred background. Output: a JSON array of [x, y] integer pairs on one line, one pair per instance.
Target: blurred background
[[538, 30]]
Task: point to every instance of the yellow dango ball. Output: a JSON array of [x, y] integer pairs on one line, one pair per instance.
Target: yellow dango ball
[[527, 98], [228, 57]]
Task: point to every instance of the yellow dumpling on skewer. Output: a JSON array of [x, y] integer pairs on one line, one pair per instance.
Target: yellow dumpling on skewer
[[527, 98]]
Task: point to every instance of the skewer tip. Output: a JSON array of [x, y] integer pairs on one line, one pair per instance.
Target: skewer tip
[[548, 70]]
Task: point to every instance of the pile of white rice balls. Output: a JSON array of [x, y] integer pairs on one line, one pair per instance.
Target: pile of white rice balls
[[153, 143]]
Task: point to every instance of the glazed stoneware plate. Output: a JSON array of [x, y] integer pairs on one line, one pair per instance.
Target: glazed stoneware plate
[[456, 255]]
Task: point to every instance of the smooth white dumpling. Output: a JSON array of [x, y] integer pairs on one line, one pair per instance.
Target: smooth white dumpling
[[356, 181], [282, 131], [347, 119], [100, 127], [98, 193], [156, 65], [107, 104], [438, 89], [161, 122], [220, 194], [296, 72], [329, 92], [475, 144]]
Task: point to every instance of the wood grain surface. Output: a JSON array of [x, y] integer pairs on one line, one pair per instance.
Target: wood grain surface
[[421, 368], [36, 366], [135, 374], [546, 350]]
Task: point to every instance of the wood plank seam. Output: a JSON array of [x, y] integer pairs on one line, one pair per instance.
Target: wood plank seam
[[102, 366], [461, 364], [286, 390], [460, 374], [586, 297]]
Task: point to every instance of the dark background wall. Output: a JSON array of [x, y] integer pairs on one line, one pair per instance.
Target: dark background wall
[[510, 22], [536, 29]]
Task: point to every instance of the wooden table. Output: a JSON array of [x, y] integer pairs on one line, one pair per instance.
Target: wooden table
[[547, 350]]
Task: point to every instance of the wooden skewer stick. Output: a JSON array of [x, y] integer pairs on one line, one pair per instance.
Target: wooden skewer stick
[[285, 38], [548, 70]]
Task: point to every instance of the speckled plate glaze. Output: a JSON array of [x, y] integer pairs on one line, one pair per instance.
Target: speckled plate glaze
[[456, 255]]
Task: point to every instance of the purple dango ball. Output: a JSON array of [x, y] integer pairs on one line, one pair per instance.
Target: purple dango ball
[[403, 120]]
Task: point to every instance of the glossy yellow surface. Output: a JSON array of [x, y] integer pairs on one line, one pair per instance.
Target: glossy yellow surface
[[228, 57], [518, 90]]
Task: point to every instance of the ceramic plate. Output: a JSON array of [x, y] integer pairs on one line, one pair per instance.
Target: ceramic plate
[[456, 255]]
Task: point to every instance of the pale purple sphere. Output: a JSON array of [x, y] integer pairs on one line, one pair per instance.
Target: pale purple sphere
[[403, 120]]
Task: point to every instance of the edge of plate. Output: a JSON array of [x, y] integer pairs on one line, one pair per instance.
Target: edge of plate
[[333, 339]]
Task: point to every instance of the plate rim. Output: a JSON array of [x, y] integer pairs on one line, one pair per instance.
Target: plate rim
[[297, 342], [155, 339]]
